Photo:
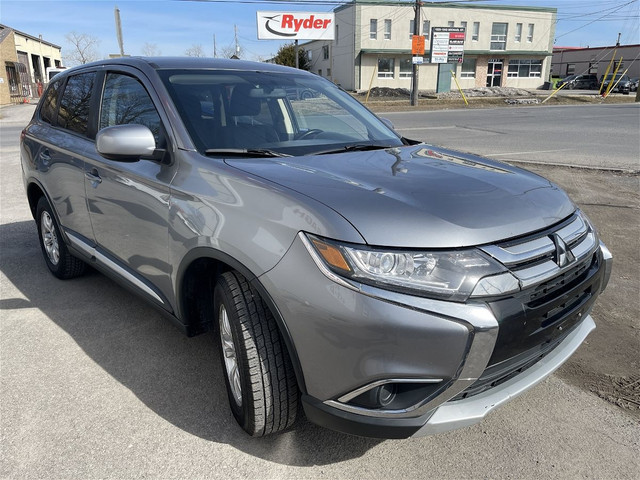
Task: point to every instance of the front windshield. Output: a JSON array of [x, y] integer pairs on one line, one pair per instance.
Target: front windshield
[[292, 114]]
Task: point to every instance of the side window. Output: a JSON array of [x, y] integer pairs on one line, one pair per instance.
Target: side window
[[125, 101], [74, 105], [50, 104]]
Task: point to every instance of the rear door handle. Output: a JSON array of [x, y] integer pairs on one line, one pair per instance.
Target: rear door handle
[[93, 177], [45, 157]]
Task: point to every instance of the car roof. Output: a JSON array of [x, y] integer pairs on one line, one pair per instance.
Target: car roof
[[162, 63]]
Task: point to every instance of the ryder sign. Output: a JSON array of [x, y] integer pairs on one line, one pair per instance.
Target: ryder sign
[[295, 26]]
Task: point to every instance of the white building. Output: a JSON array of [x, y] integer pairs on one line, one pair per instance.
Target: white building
[[503, 46]]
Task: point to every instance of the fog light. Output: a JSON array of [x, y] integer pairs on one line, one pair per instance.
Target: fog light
[[385, 394]]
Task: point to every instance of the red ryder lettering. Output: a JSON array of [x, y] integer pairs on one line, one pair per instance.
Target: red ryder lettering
[[289, 21]]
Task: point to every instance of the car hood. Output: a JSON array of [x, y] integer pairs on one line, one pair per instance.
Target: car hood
[[421, 196]]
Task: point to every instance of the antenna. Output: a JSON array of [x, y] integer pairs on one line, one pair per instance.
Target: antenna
[[119, 31]]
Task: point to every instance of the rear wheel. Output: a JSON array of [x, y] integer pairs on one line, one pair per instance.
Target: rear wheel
[[56, 254], [261, 384]]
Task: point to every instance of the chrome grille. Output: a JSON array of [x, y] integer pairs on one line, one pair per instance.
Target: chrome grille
[[532, 260]]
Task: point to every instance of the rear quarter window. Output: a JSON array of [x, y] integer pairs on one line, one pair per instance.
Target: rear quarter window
[[74, 105], [50, 104]]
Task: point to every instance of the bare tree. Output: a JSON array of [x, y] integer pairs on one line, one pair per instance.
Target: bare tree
[[83, 48], [230, 50], [194, 51], [150, 50]]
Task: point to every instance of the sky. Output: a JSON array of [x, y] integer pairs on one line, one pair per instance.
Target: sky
[[173, 26]]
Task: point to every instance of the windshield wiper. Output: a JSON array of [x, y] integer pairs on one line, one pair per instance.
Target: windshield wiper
[[245, 152], [353, 148]]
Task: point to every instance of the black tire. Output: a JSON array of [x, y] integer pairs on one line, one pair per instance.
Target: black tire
[[268, 396], [55, 252]]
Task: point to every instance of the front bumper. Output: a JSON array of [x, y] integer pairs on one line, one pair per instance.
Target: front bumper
[[347, 340], [454, 414]]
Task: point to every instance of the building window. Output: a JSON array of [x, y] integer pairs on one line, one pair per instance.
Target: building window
[[464, 25], [498, 36], [530, 34], [406, 68], [593, 67], [451, 23], [518, 36], [309, 55], [387, 29], [468, 68], [373, 28], [412, 26], [525, 68], [320, 72], [571, 68], [385, 67], [426, 29], [328, 72], [476, 31], [325, 52]]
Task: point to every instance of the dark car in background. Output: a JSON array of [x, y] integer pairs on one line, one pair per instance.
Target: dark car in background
[[621, 84], [584, 82]]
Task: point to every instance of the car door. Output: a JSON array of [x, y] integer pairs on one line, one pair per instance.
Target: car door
[[63, 138], [128, 201]]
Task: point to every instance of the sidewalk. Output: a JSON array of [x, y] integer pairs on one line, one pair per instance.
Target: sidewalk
[[18, 114]]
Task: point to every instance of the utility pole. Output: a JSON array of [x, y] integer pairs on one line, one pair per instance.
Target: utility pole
[[414, 76], [295, 52], [119, 31], [618, 41], [215, 52], [235, 28]]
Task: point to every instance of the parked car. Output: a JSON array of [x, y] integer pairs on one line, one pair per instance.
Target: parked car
[[389, 287], [633, 86], [585, 81], [622, 84]]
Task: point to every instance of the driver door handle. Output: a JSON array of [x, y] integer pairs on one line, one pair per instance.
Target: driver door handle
[[93, 177]]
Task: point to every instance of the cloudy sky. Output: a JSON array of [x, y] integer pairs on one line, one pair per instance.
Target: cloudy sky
[[173, 26]]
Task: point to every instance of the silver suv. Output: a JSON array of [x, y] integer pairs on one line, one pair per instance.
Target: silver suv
[[388, 287]]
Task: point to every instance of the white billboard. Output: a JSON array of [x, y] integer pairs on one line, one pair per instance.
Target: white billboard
[[295, 26]]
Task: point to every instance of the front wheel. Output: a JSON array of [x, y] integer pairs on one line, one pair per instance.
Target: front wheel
[[261, 384]]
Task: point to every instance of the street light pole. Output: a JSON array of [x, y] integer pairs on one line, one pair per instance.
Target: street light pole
[[414, 69]]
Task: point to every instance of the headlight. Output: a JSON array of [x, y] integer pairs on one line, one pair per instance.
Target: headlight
[[451, 275]]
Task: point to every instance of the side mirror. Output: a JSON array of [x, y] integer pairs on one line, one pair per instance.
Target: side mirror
[[125, 143], [388, 123]]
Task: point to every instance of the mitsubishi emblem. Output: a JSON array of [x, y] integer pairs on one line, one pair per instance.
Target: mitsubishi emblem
[[563, 255]]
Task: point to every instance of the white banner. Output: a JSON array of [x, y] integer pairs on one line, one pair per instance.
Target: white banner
[[295, 26]]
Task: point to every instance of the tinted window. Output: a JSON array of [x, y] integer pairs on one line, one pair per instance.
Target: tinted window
[[125, 101], [50, 104], [74, 106]]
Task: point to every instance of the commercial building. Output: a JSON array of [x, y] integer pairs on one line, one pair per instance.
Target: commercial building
[[503, 45], [571, 60], [24, 60]]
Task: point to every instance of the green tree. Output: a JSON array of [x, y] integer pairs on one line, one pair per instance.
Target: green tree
[[286, 56]]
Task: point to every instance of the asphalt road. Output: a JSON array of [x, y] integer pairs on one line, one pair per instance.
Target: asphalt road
[[597, 136], [93, 383]]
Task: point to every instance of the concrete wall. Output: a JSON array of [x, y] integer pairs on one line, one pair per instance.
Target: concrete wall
[[42, 51]]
